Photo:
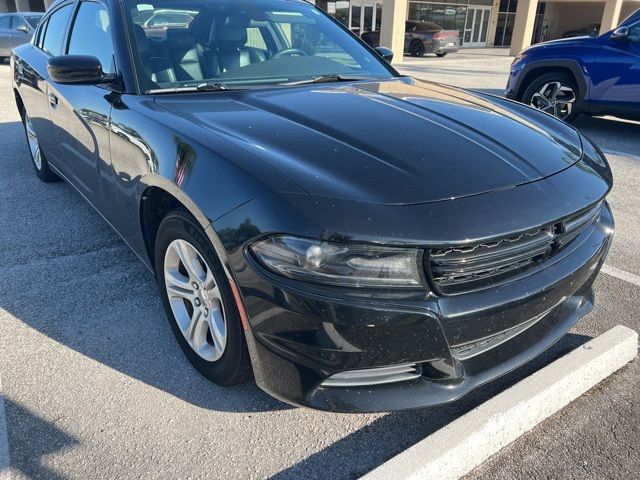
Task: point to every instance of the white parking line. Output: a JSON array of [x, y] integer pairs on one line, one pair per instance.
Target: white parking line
[[4, 441], [621, 274], [621, 153], [459, 447]]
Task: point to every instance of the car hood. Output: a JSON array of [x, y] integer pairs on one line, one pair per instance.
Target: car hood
[[391, 142], [564, 42]]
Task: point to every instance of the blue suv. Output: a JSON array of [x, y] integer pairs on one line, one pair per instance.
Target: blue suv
[[596, 76]]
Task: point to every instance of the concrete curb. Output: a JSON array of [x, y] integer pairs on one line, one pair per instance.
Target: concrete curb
[[5, 461], [465, 443]]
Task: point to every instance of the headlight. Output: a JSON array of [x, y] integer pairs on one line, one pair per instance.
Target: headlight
[[341, 264]]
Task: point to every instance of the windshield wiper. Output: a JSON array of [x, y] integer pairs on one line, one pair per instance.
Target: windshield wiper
[[334, 77], [211, 87], [203, 87]]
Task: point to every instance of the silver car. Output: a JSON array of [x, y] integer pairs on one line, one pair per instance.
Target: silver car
[[16, 29]]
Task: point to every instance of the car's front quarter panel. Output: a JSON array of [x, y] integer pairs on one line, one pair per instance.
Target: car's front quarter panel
[[151, 147]]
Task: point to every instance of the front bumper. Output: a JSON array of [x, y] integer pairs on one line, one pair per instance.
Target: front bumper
[[300, 336]]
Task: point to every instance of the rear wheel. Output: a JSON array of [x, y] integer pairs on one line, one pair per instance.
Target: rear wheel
[[368, 40], [38, 159], [443, 54], [416, 48], [2, 59], [198, 300], [555, 93]]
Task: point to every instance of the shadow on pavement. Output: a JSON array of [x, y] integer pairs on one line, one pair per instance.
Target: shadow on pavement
[[611, 134], [32, 439], [68, 275], [371, 443]]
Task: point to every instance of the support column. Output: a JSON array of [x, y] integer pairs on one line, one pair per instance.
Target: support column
[[611, 15], [394, 15], [22, 6], [47, 4], [493, 26], [523, 28]]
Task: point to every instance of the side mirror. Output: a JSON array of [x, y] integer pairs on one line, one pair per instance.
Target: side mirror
[[621, 33], [23, 28], [385, 53], [78, 69]]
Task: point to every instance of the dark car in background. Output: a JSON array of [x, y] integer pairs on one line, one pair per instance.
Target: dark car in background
[[592, 30], [350, 267], [590, 75], [421, 38], [16, 29]]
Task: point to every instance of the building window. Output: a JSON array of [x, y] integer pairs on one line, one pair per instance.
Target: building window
[[506, 21], [450, 16]]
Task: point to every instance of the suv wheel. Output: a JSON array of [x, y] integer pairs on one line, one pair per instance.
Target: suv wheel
[[555, 93], [199, 302], [416, 49]]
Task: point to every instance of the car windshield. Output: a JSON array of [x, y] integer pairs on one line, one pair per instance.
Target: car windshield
[[33, 20], [238, 44]]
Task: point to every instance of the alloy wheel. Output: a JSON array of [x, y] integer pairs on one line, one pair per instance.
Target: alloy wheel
[[556, 98], [195, 300], [34, 145]]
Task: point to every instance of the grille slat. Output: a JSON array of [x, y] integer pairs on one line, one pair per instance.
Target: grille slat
[[470, 267]]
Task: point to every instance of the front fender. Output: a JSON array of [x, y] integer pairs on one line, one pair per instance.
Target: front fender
[[577, 68]]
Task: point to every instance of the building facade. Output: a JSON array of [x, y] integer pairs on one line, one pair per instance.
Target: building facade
[[481, 23], [488, 23]]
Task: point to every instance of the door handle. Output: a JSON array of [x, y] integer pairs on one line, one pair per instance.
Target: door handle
[[53, 100]]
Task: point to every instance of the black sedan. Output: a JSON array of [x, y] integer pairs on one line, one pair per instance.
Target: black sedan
[[421, 38], [356, 239]]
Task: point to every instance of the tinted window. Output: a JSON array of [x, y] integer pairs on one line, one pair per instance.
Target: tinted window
[[634, 33], [5, 21], [91, 35], [53, 37], [33, 20], [242, 43], [18, 22], [427, 27]]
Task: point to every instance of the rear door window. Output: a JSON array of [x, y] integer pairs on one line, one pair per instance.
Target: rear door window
[[5, 21]]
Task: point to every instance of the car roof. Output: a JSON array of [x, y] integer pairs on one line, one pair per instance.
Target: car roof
[[633, 17]]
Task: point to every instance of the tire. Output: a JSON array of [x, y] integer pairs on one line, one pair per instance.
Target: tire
[[38, 159], [443, 54], [225, 363], [367, 39], [416, 48], [2, 59], [539, 94]]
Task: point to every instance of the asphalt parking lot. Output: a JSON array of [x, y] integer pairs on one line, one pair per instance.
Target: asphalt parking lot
[[95, 385]]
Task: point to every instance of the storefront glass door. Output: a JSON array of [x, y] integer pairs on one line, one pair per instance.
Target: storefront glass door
[[365, 16], [476, 26]]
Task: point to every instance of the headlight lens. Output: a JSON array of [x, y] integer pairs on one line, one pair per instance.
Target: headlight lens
[[340, 264]]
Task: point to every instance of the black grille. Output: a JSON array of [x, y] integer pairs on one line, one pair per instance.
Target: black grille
[[471, 267]]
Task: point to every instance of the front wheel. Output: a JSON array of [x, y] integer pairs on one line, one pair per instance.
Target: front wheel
[[40, 163], [416, 49], [198, 300], [555, 93], [443, 54]]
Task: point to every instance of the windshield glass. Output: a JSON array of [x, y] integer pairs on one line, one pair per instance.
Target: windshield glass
[[33, 20], [239, 44]]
